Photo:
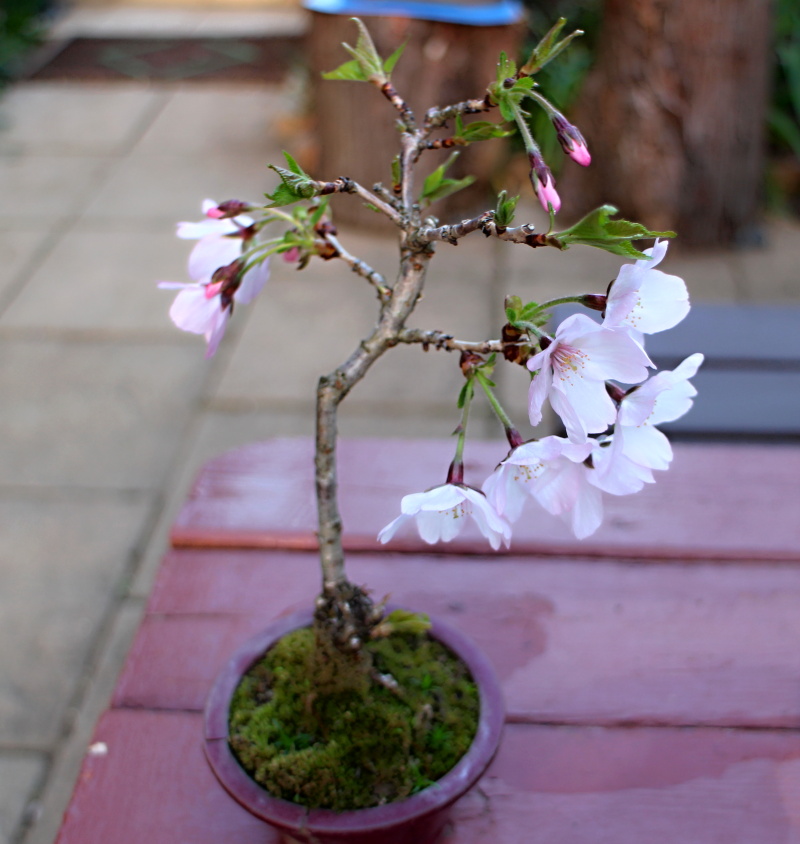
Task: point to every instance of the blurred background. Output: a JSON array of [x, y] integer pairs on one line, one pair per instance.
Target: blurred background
[[117, 119]]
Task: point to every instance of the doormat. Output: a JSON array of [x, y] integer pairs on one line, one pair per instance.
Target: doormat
[[173, 60]]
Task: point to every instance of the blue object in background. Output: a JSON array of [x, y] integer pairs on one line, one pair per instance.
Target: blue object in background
[[468, 12]]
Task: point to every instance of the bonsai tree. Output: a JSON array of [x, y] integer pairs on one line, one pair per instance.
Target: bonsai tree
[[593, 373]]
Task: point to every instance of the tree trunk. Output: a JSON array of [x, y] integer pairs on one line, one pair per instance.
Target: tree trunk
[[674, 114], [443, 63]]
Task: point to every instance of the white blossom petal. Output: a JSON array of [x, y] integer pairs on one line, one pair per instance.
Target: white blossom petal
[[193, 311], [252, 283], [212, 252], [587, 514]]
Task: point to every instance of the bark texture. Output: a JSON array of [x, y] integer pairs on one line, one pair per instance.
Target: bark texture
[[674, 112]]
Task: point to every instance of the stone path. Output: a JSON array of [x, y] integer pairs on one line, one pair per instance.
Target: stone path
[[107, 411]]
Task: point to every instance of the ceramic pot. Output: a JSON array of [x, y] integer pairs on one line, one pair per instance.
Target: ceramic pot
[[416, 820]]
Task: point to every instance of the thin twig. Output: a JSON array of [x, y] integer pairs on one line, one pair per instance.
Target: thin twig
[[452, 233], [485, 223], [347, 185], [446, 342], [406, 115], [436, 117], [361, 268]]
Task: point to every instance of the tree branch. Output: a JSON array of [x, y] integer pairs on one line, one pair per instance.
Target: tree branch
[[446, 342], [346, 185], [486, 223], [361, 268], [436, 117]]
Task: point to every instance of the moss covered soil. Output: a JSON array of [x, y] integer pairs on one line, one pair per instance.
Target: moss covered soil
[[356, 748]]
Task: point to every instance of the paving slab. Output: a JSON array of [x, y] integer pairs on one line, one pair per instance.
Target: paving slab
[[159, 190], [214, 119], [62, 558], [101, 414], [102, 281], [45, 189], [68, 118], [19, 250], [19, 775]]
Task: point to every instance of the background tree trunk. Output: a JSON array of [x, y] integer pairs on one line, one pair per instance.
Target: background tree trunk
[[674, 113], [443, 63]]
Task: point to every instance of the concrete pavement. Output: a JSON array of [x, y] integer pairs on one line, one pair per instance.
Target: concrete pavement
[[107, 410]]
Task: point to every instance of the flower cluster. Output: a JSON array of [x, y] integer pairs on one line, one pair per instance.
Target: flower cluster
[[219, 271], [612, 443]]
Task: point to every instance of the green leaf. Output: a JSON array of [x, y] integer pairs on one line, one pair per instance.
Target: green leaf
[[548, 48], [436, 186], [506, 207], [480, 130], [283, 195], [295, 185], [389, 64], [293, 165], [447, 187], [365, 54], [506, 68], [615, 236], [349, 71], [366, 65], [529, 311]]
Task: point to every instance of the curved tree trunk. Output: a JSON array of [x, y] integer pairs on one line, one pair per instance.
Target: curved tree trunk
[[674, 113]]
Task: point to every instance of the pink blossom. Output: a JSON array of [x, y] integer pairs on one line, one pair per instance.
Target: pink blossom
[[573, 369], [204, 307], [624, 463], [552, 472], [220, 240], [645, 299], [441, 513]]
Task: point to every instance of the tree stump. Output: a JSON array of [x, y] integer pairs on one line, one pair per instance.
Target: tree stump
[[674, 114], [443, 63]]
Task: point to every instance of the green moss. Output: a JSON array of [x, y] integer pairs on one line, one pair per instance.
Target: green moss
[[358, 746]]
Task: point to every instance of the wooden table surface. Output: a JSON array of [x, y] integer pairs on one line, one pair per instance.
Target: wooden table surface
[[651, 674]]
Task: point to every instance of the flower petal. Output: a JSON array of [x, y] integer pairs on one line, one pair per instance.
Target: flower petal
[[252, 283], [212, 252], [192, 311]]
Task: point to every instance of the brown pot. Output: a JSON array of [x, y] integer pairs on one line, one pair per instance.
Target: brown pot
[[416, 820]]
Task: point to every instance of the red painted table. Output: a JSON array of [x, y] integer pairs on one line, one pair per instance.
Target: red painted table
[[651, 674]]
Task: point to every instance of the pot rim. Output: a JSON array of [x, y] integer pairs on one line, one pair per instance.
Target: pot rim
[[290, 816]]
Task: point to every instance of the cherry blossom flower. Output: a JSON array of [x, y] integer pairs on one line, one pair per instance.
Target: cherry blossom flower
[[204, 307], [624, 462], [220, 240], [645, 299], [573, 369], [442, 512], [552, 472]]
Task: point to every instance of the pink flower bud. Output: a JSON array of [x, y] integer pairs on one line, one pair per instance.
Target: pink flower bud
[[543, 182], [229, 208], [292, 255], [571, 140], [547, 194]]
